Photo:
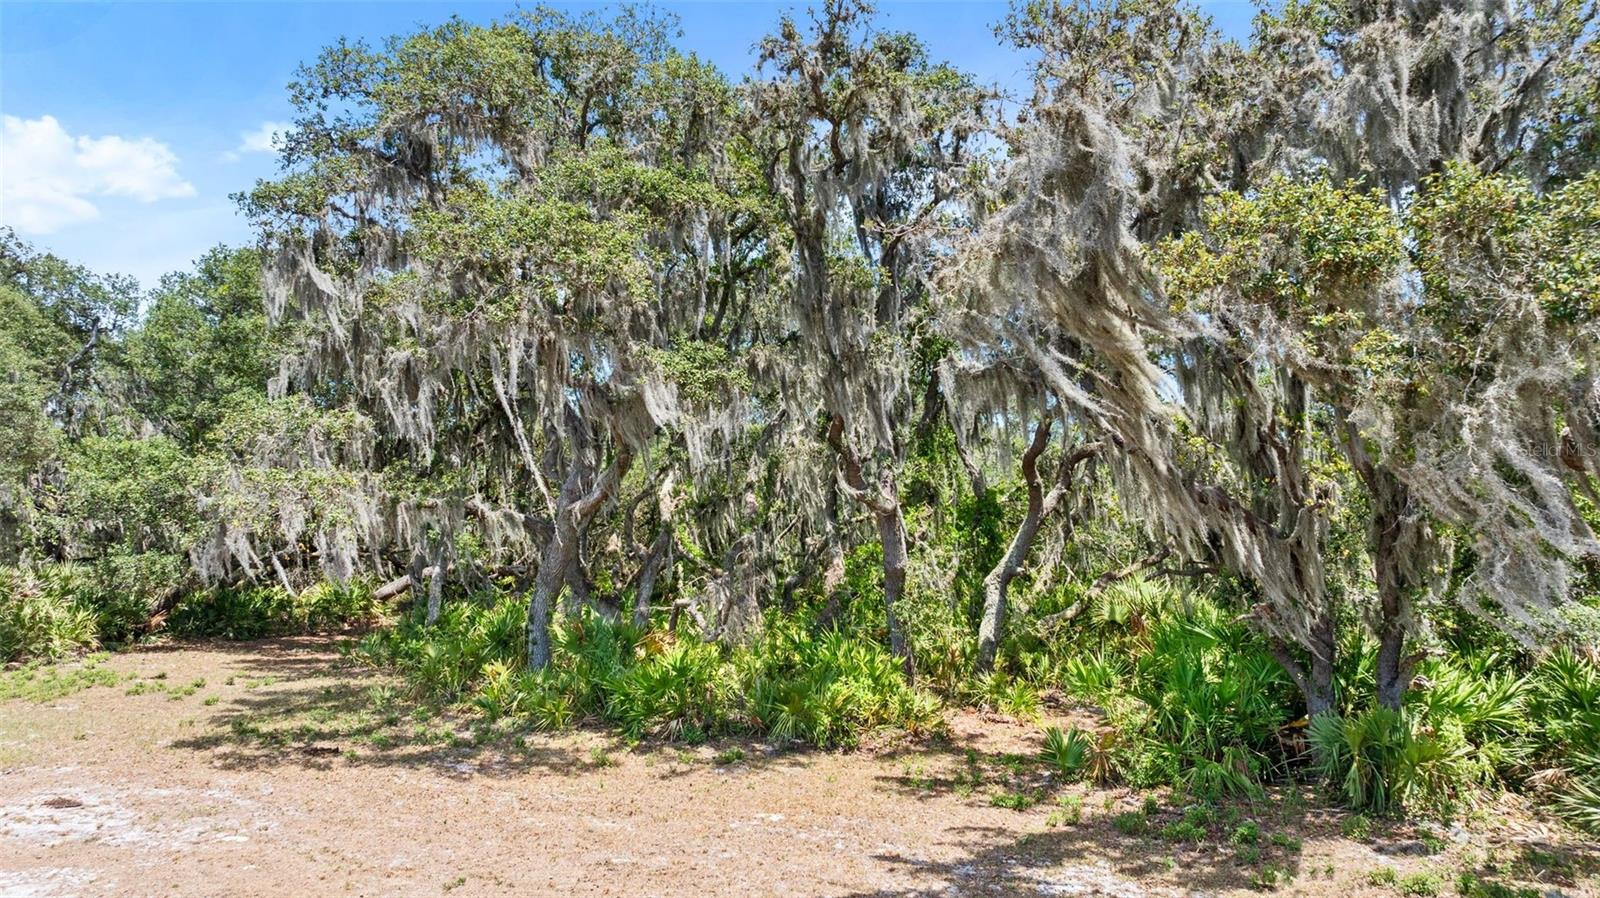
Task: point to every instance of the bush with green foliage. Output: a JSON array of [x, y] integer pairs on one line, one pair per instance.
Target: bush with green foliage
[[1381, 760], [1563, 717], [37, 621], [52, 610], [1068, 752], [1482, 719], [57, 610], [825, 690], [1193, 696], [252, 612]]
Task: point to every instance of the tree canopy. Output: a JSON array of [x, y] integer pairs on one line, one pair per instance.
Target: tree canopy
[[551, 303]]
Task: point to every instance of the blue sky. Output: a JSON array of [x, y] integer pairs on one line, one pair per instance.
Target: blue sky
[[127, 125]]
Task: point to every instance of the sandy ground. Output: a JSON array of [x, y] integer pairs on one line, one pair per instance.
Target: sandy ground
[[270, 768]]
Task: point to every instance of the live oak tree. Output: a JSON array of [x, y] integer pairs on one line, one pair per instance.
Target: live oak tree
[[550, 303], [1127, 129], [1439, 93], [483, 235], [867, 145], [1139, 114]]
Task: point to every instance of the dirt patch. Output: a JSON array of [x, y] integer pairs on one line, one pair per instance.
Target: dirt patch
[[270, 769]]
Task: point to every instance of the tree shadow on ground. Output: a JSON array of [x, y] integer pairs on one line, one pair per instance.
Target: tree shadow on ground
[[1091, 857], [296, 702], [1117, 848], [284, 657]]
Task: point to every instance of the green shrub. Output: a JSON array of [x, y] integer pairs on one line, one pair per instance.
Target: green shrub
[[1068, 812], [38, 622], [823, 691], [1131, 823], [1469, 885], [1067, 752], [56, 609], [679, 694], [1579, 803], [229, 612], [1183, 831], [1564, 701], [246, 611], [827, 691], [1422, 884], [1016, 801], [1271, 876], [123, 589], [1018, 699], [1092, 678], [504, 691], [1382, 762], [1194, 697]]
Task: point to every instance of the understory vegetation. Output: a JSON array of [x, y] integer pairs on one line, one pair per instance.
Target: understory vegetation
[[584, 383], [1187, 698], [62, 610], [826, 691]]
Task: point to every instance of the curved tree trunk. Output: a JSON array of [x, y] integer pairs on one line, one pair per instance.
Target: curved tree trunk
[[554, 563], [1315, 679], [884, 502], [574, 512], [995, 585], [660, 549]]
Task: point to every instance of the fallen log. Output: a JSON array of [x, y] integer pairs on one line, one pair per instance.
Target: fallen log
[[393, 588]]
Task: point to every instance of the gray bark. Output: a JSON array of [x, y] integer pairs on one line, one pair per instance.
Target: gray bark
[[884, 502], [660, 549], [1391, 570], [1392, 670], [574, 511], [892, 532], [1313, 679], [577, 583], [435, 592], [283, 576], [554, 563], [997, 584], [393, 588]]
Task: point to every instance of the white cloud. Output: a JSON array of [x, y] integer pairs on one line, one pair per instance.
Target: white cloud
[[48, 178], [260, 140]]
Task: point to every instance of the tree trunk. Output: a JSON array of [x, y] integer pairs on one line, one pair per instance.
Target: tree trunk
[[645, 592], [1315, 681], [892, 533], [884, 502], [393, 588], [435, 591], [996, 585], [1390, 505], [578, 591], [554, 565], [1394, 605], [1391, 674], [559, 559], [1319, 689]]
